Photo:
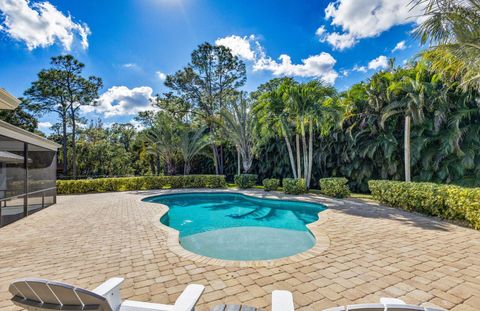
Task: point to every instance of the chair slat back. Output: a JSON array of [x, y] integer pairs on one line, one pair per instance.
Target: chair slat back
[[38, 294], [404, 308], [366, 307]]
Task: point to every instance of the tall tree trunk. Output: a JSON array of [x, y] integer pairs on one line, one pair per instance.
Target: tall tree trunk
[[299, 166], [186, 168], [64, 146], [305, 150], [215, 158], [290, 152], [407, 148], [220, 156], [158, 164], [310, 151], [238, 161], [74, 145]]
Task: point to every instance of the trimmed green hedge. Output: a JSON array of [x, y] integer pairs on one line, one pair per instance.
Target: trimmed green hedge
[[271, 184], [245, 181], [445, 201], [294, 186], [335, 187], [139, 183]]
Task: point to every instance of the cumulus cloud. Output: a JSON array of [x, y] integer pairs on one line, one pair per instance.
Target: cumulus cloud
[[359, 19], [44, 125], [160, 75], [379, 62], [400, 46], [339, 41], [122, 101], [40, 24], [249, 48], [359, 68], [240, 46]]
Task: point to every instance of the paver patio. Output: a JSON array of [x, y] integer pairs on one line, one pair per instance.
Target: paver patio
[[374, 251]]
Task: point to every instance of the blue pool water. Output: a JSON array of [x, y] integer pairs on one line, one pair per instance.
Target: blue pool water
[[234, 226]]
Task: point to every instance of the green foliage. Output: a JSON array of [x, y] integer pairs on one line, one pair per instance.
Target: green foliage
[[294, 186], [445, 201], [335, 187], [24, 116], [271, 184], [245, 181], [139, 183]]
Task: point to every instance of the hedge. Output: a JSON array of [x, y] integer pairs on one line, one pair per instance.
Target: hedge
[[139, 183], [335, 187], [444, 201], [294, 186], [270, 184], [245, 181]]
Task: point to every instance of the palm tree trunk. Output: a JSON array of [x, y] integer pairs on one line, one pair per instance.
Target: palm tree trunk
[[290, 152], [305, 150], [215, 158], [299, 165], [238, 161], [407, 149], [310, 151]]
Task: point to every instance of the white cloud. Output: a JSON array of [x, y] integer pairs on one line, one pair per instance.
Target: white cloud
[[132, 66], [40, 24], [320, 66], [44, 125], [160, 75], [400, 46], [379, 62], [339, 41], [122, 101], [240, 46], [359, 68], [248, 48], [360, 19]]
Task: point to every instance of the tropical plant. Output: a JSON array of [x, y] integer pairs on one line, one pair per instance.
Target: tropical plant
[[238, 124], [192, 143]]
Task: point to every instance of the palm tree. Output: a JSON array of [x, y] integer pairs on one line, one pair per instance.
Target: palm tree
[[192, 142], [311, 104], [271, 115], [412, 96], [238, 125], [452, 27], [163, 141]]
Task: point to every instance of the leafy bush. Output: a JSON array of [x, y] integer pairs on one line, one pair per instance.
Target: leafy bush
[[139, 183], [271, 184], [245, 181], [335, 187], [294, 186], [445, 201]]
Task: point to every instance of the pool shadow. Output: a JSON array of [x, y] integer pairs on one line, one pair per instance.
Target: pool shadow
[[370, 209]]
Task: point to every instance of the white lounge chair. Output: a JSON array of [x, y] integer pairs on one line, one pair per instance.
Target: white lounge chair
[[282, 300], [39, 295]]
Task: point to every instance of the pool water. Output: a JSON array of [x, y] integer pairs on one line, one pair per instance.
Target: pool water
[[234, 226]]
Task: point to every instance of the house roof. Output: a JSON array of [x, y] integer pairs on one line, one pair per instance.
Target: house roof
[[11, 131], [7, 100]]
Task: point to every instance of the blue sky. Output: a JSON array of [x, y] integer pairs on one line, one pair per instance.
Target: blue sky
[[132, 44]]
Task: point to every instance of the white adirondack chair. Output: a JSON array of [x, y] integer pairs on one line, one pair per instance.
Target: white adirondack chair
[[39, 295], [282, 300]]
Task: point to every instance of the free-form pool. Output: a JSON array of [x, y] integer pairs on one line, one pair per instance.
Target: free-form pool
[[234, 226]]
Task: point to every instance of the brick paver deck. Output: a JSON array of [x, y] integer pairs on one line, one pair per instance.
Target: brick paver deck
[[374, 251]]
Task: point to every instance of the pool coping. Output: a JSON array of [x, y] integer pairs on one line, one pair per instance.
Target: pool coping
[[322, 240]]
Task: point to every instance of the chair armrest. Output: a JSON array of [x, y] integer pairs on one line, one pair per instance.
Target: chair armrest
[[189, 297], [110, 289], [282, 300]]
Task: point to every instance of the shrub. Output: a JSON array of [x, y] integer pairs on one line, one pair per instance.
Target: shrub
[[445, 201], [294, 186], [271, 184], [139, 183], [245, 181], [335, 187]]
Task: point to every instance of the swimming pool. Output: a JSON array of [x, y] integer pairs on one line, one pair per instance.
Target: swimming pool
[[234, 226]]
